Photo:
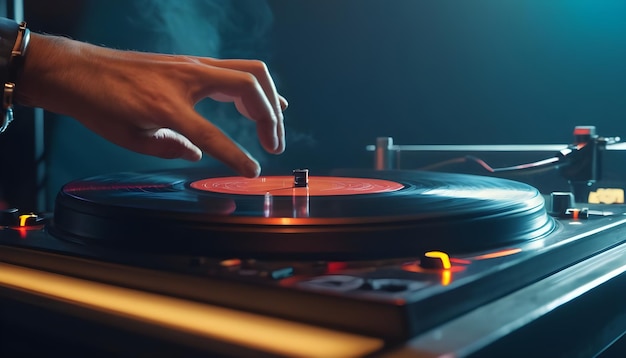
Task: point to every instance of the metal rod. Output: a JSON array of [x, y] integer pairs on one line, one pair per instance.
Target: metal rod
[[476, 148]]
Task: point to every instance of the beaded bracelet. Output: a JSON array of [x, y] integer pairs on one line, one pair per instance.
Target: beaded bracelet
[[14, 40]]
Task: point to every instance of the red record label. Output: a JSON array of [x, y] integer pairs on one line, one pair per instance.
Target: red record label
[[284, 186]]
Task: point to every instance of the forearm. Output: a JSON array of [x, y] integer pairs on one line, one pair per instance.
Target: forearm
[[44, 76]]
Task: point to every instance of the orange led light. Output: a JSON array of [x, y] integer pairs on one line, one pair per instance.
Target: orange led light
[[230, 262], [455, 260], [446, 277], [23, 232], [285, 221], [445, 259]]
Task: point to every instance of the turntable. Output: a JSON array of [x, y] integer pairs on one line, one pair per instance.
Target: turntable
[[356, 263]]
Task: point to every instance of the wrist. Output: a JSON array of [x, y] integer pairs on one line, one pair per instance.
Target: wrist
[[14, 40], [42, 77]]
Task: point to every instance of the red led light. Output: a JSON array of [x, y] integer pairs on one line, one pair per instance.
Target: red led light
[[582, 131], [23, 231], [336, 266]]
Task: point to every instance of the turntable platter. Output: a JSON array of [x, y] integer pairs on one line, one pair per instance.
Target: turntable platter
[[284, 186], [400, 213]]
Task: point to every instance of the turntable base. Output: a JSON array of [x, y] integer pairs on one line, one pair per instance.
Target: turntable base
[[444, 265]]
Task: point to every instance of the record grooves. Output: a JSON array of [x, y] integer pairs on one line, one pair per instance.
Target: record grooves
[[165, 212]]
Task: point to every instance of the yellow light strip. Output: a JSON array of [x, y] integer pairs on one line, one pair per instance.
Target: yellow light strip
[[500, 253], [254, 331]]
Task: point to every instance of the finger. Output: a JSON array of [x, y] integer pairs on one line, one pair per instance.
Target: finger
[[262, 75], [280, 133], [211, 140], [260, 72], [283, 102], [163, 143], [250, 100], [280, 127]]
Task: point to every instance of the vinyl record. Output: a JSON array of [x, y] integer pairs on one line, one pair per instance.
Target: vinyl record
[[354, 215]]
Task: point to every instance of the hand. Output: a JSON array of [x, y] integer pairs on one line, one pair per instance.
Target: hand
[[145, 101]]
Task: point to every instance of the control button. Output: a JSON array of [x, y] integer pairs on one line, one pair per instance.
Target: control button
[[391, 285], [385, 285], [300, 178], [31, 219], [560, 202], [435, 260], [279, 274], [247, 269], [14, 218], [562, 205], [337, 283]]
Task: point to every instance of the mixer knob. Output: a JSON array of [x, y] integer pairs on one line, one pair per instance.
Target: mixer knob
[[15, 218], [435, 260], [30, 220]]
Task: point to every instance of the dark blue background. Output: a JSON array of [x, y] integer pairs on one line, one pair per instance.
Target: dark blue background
[[420, 71], [444, 71]]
